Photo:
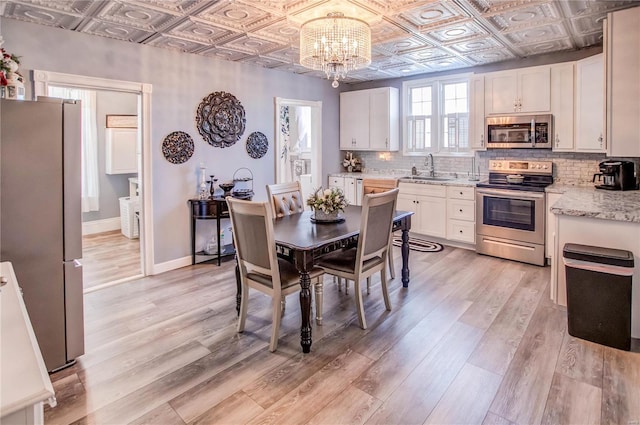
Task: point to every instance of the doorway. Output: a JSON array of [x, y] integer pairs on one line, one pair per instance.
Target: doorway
[[123, 267], [299, 143]]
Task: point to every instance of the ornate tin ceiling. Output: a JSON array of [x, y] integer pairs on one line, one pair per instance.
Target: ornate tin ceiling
[[408, 36]]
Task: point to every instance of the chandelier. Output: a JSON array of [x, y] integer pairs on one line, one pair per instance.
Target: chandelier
[[335, 44]]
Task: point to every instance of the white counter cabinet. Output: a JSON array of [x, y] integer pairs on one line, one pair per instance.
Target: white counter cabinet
[[441, 211], [24, 383]]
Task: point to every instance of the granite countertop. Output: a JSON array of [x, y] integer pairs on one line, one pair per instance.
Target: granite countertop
[[583, 201], [406, 178]]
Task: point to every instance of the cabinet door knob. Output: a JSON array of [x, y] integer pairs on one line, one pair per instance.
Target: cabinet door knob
[[482, 140], [557, 141], [460, 231], [460, 209], [600, 140]]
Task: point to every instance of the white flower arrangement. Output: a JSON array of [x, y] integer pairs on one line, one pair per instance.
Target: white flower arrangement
[[350, 162], [327, 200]]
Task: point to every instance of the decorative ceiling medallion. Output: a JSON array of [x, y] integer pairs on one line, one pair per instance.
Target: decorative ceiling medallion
[[257, 145], [220, 119], [177, 147]]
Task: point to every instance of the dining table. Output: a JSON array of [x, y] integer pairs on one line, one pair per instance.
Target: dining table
[[302, 242]]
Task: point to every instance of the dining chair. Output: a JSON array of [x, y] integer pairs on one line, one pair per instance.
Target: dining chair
[[260, 268], [285, 198], [370, 255]]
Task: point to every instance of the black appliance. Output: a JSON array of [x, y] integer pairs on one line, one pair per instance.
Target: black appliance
[[616, 175], [511, 210]]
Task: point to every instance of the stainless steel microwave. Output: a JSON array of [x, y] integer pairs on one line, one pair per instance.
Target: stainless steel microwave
[[519, 131]]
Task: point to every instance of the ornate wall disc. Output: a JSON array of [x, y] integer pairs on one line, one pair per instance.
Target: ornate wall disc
[[257, 145], [177, 147], [220, 119]]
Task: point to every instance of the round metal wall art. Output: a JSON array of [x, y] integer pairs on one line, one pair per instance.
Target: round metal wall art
[[221, 119], [257, 145], [177, 147]]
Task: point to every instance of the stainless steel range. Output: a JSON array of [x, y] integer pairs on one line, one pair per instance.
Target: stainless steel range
[[510, 210]]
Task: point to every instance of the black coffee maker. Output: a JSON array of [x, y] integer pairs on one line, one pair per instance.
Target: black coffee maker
[[616, 175]]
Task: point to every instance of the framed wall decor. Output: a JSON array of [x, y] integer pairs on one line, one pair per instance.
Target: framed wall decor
[[257, 145], [177, 147], [220, 119]]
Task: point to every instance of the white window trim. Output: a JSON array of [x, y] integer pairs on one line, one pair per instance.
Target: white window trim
[[436, 124]]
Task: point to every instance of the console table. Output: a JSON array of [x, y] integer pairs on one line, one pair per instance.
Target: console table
[[214, 208]]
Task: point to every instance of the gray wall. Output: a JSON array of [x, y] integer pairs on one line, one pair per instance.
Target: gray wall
[[180, 81], [112, 186]]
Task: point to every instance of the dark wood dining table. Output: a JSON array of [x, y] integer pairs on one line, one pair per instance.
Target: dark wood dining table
[[302, 242]]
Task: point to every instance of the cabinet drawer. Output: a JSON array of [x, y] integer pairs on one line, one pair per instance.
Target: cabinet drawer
[[461, 192], [437, 191], [336, 182], [461, 209], [463, 231]]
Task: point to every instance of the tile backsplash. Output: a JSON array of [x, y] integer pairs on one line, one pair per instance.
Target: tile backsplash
[[568, 167]]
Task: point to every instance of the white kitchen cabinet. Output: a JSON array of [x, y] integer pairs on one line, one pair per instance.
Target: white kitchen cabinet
[[369, 119], [349, 185], [521, 90], [590, 105], [476, 118], [354, 120], [429, 205], [25, 383], [562, 106], [622, 58], [549, 247], [121, 153], [461, 214]]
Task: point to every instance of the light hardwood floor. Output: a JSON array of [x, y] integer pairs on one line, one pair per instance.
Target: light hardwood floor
[[474, 339], [108, 257]]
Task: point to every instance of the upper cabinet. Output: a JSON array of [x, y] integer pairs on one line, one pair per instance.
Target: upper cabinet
[[562, 105], [121, 151], [622, 58], [369, 119], [590, 106], [476, 116], [521, 90]]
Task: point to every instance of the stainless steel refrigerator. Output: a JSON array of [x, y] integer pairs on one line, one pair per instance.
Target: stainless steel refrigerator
[[40, 219]]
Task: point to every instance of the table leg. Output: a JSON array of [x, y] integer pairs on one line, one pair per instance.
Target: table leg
[[405, 258], [305, 309]]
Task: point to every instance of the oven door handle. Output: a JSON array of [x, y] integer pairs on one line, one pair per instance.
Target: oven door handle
[[510, 194]]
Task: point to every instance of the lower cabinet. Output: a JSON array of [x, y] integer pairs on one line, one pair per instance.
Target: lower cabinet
[[461, 214], [351, 186], [446, 212]]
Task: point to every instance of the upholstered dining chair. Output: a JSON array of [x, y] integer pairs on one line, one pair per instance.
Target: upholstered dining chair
[[260, 268], [370, 186], [370, 256], [285, 198]]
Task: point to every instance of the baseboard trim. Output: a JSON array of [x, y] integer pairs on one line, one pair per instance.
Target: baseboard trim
[[170, 265], [99, 226]]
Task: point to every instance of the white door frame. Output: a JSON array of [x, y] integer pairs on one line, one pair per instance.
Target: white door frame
[[41, 81], [316, 136]]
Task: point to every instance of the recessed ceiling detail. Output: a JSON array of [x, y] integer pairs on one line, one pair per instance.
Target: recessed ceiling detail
[[408, 37]]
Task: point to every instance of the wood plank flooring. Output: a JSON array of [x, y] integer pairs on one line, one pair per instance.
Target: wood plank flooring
[[473, 340], [109, 257]]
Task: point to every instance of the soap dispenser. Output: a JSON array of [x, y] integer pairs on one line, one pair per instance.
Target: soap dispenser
[[414, 171]]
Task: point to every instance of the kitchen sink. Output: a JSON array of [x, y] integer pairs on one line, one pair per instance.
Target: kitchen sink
[[429, 178]]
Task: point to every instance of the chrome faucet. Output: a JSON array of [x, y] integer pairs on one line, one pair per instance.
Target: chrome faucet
[[431, 168]]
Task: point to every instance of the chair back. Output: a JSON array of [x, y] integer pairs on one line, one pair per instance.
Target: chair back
[[285, 199], [375, 228], [252, 224], [370, 186]]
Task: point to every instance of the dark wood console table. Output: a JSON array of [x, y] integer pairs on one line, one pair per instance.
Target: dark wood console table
[[214, 208]]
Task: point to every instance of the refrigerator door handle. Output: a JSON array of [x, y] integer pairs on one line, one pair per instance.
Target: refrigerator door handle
[[77, 263]]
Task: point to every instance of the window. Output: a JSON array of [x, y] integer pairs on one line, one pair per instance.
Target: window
[[436, 116]]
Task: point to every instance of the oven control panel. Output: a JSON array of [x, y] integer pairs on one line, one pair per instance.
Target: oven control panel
[[520, 167]]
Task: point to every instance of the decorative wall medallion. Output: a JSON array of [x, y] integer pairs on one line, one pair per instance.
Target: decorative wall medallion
[[220, 119], [177, 147], [257, 145]]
